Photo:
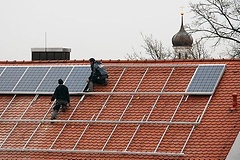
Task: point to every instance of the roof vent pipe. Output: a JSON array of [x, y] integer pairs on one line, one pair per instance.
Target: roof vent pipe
[[234, 105]]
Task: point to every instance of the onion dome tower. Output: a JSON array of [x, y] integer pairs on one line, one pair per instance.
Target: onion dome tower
[[182, 42]]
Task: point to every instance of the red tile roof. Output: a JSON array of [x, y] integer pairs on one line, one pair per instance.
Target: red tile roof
[[126, 126]]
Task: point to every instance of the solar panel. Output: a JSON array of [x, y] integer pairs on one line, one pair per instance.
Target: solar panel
[[42, 79], [31, 79], [76, 81], [10, 76], [49, 83], [206, 78]]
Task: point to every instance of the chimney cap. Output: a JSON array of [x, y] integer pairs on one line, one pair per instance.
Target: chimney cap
[[51, 49]]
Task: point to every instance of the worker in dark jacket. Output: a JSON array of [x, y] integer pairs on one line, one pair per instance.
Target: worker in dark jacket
[[98, 75], [61, 94]]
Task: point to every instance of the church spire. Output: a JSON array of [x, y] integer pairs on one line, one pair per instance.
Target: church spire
[[182, 13]]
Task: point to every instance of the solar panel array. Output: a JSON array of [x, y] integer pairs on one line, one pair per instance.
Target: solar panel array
[[206, 78], [42, 79]]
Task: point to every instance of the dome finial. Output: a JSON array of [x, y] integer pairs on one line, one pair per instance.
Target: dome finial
[[182, 41], [182, 38]]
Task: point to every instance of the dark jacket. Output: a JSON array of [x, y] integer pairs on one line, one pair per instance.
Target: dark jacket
[[98, 70], [61, 93]]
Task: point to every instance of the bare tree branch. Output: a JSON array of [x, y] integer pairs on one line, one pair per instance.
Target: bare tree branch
[[199, 51], [217, 19], [152, 48], [155, 48]]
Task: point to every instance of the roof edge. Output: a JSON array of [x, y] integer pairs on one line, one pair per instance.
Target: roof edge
[[117, 61]]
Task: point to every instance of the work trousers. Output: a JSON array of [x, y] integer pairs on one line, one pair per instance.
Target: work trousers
[[59, 103]]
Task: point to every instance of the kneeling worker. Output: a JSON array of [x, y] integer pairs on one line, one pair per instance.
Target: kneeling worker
[[61, 94], [98, 75]]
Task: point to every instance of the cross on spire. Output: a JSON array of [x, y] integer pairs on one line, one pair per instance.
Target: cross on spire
[[182, 10]]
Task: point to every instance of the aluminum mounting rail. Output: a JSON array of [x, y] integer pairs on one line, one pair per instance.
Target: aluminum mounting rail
[[98, 121], [158, 93], [93, 151]]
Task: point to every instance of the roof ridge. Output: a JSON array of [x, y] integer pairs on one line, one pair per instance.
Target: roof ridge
[[117, 61]]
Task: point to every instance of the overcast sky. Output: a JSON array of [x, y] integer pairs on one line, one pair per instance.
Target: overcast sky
[[104, 29]]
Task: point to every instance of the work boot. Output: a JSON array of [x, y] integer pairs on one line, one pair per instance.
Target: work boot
[[90, 86], [54, 114]]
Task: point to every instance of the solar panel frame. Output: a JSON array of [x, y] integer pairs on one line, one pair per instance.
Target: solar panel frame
[[42, 79], [206, 78], [1, 70]]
